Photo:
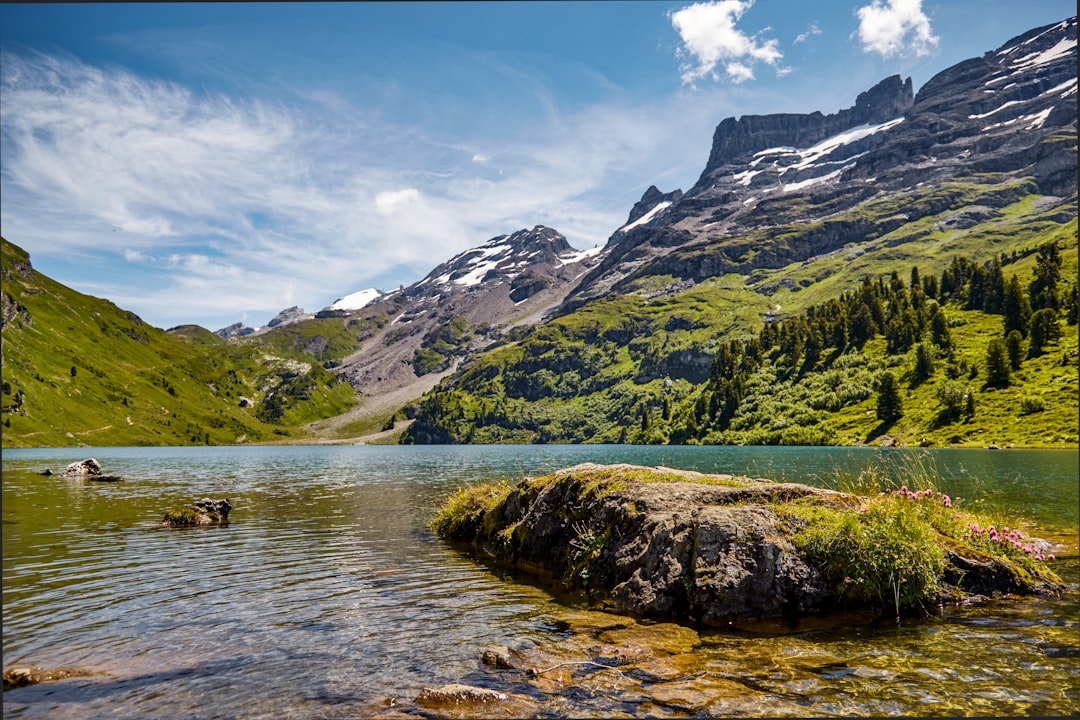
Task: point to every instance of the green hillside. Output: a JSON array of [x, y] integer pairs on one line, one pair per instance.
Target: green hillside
[[772, 356], [77, 370]]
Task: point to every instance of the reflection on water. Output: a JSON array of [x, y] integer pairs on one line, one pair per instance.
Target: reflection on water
[[327, 594]]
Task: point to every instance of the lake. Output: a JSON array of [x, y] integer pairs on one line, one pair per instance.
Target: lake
[[328, 597]]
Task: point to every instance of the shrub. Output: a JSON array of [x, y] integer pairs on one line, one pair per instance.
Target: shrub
[[1031, 404], [884, 553]]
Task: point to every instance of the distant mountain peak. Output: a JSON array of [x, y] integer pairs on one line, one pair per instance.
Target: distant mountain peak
[[503, 258]]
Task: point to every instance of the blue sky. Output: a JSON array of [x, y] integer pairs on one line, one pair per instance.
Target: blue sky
[[210, 163]]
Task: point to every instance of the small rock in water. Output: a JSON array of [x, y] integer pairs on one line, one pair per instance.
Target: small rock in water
[[499, 657], [202, 512]]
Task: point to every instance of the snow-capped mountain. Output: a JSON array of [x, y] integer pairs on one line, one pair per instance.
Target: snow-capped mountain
[[517, 259], [1006, 115], [464, 304]]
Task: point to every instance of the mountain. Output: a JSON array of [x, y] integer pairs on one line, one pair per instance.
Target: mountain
[[285, 317], [971, 180], [786, 188], [77, 370], [468, 303]]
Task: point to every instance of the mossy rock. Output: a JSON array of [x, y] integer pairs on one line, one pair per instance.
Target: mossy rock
[[708, 549]]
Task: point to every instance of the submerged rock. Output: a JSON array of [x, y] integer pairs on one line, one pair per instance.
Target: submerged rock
[[201, 512], [26, 676], [703, 548], [458, 700]]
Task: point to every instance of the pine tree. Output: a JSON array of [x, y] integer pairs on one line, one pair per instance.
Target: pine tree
[[889, 405], [1014, 345], [997, 364], [1016, 308], [939, 329], [1044, 330], [1044, 287], [924, 362]]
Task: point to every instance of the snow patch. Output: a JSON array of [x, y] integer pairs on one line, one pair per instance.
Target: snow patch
[[995, 110], [356, 300], [826, 146], [656, 210], [1060, 49], [746, 176], [1035, 120], [1038, 119], [788, 187], [578, 256], [812, 156]]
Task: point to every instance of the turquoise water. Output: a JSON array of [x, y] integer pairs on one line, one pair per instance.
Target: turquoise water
[[327, 594]]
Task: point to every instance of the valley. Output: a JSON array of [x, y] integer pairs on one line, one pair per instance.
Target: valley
[[770, 303]]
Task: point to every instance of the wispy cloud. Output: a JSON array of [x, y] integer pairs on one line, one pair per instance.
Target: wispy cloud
[[810, 31], [895, 27], [710, 38], [232, 203]]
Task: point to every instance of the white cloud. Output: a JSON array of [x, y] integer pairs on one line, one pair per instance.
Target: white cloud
[[481, 159], [895, 27], [804, 36], [210, 206], [709, 37], [388, 203]]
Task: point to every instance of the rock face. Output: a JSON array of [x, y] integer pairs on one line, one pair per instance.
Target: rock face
[[289, 316], [234, 330], [889, 99], [707, 549]]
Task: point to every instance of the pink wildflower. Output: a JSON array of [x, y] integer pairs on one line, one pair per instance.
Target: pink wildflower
[[947, 500]]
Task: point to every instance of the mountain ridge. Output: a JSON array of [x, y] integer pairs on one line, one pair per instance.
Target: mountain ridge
[[791, 210]]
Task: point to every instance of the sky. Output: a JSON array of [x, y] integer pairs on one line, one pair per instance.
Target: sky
[[215, 163]]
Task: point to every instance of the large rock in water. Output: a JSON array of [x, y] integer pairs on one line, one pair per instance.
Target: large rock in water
[[82, 468], [683, 545]]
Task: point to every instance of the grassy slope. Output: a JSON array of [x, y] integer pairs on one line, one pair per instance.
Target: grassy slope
[[78, 370], [587, 376]]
